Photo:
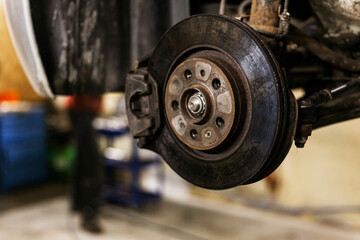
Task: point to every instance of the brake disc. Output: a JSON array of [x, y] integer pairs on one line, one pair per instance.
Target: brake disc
[[227, 116]]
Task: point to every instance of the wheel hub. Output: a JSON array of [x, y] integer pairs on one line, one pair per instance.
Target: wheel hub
[[200, 105]]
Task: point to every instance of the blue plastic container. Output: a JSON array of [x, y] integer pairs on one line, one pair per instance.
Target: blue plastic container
[[23, 149]]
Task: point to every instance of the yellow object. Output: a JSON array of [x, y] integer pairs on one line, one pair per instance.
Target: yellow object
[[12, 76]]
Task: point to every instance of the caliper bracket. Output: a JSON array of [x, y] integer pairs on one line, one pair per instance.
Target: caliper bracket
[[142, 105]]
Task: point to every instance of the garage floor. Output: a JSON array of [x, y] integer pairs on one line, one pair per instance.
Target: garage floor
[[191, 219]]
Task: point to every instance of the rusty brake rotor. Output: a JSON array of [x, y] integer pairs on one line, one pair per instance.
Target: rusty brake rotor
[[227, 115]]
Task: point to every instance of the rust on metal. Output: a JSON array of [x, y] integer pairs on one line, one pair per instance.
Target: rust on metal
[[264, 15], [337, 58], [199, 103]]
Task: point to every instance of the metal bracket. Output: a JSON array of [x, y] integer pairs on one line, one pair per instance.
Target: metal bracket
[[142, 105], [315, 111]]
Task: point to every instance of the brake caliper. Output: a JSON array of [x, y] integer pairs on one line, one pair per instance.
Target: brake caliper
[[142, 105]]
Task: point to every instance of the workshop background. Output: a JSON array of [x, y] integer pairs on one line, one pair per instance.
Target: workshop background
[[313, 195]]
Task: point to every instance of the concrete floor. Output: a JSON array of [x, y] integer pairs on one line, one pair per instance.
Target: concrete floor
[[194, 219]]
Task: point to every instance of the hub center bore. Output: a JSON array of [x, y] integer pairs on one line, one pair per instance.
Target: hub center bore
[[199, 104]]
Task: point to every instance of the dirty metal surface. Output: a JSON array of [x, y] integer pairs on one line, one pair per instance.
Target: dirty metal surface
[[264, 15], [338, 17], [142, 105], [199, 81], [336, 58], [258, 142]]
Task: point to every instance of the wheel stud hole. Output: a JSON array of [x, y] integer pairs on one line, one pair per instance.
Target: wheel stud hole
[[202, 72], [220, 122], [175, 105], [216, 83], [193, 134], [187, 74]]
